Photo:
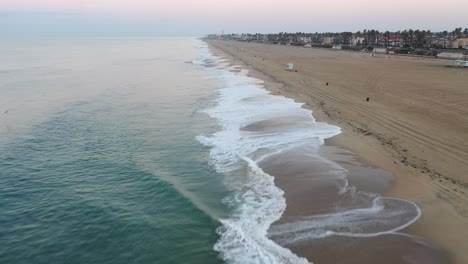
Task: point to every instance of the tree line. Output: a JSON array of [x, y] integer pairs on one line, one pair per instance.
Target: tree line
[[407, 37]]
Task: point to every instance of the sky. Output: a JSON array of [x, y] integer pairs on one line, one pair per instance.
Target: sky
[[199, 17]]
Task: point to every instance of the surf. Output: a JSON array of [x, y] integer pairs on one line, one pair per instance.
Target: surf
[[255, 126]]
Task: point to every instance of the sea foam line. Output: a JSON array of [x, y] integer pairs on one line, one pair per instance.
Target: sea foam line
[[386, 216], [243, 236], [246, 236]]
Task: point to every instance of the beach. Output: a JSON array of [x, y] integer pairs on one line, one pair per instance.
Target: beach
[[408, 140]]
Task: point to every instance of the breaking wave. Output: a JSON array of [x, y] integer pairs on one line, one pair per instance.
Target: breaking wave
[[256, 125]]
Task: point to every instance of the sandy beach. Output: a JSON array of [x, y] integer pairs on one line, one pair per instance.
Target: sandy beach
[[410, 140]]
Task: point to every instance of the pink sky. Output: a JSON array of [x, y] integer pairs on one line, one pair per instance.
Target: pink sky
[[202, 16], [259, 8]]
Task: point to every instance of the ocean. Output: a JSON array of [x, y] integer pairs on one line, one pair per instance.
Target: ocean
[[155, 150], [98, 157]]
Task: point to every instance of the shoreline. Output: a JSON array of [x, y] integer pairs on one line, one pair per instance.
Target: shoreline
[[443, 221]]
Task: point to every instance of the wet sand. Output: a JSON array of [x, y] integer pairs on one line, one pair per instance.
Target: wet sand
[[388, 249], [311, 188], [415, 127], [312, 181]]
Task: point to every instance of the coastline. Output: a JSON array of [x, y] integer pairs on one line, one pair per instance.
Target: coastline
[[441, 198]]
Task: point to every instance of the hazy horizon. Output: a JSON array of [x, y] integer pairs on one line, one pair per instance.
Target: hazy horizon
[[189, 18]]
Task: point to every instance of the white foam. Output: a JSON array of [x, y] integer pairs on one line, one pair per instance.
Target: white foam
[[245, 236], [242, 103], [385, 216]]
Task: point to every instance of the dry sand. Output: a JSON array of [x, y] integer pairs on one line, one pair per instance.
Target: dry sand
[[415, 124]]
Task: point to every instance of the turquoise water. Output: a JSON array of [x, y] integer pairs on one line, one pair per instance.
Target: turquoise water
[[98, 157]]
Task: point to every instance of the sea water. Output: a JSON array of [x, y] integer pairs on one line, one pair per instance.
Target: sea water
[[98, 157], [148, 150]]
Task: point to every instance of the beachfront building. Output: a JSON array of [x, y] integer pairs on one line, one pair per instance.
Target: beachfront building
[[304, 39], [441, 43], [328, 40], [381, 40], [460, 43], [355, 41], [395, 41], [406, 41]]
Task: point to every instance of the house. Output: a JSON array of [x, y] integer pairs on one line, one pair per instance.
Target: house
[[357, 41], [460, 43], [328, 40], [441, 43], [304, 39], [381, 40], [395, 41]]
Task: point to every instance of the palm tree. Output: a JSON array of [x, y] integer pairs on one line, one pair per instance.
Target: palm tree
[[417, 35], [411, 36], [372, 36], [420, 38], [365, 37], [405, 36], [458, 32], [387, 37]]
